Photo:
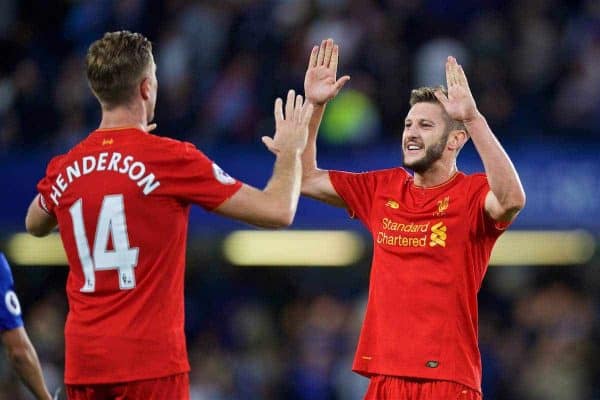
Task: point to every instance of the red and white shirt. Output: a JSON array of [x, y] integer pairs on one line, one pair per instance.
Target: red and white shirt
[[122, 199], [431, 251]]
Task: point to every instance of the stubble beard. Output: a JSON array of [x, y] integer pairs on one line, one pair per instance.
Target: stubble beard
[[432, 154]]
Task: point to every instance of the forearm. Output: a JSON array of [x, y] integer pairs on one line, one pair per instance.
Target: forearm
[[502, 176], [27, 365], [309, 157], [315, 182], [37, 221], [30, 373], [283, 189]]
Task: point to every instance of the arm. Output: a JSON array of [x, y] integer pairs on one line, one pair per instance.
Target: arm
[[320, 86], [506, 197], [316, 182], [275, 206], [25, 361], [38, 222]]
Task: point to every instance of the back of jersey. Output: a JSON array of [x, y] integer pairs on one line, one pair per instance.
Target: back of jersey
[[121, 198]]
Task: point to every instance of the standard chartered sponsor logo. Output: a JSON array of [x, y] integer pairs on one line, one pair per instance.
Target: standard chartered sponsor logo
[[400, 240], [390, 225], [438, 235], [389, 234]]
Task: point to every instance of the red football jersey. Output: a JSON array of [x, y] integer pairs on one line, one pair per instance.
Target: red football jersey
[[122, 199], [431, 251]]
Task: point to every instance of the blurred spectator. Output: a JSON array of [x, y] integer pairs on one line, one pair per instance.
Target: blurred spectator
[[231, 105], [257, 368], [578, 101], [211, 377], [71, 90], [430, 61], [331, 22], [9, 131], [87, 21], [556, 323], [8, 12], [317, 338], [71, 132], [35, 111], [534, 54], [347, 384]]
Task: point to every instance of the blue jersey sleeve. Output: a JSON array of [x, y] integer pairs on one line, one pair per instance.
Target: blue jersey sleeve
[[10, 309]]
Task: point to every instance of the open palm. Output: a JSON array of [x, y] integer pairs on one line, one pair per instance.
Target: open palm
[[460, 104], [291, 129], [320, 84]]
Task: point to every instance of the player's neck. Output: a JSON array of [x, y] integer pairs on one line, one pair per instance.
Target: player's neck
[[434, 176], [123, 116]]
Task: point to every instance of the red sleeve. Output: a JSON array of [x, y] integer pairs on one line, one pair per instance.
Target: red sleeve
[[194, 178], [45, 185], [480, 220], [357, 190]]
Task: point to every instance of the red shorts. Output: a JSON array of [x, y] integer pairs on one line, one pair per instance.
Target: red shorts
[[176, 387], [397, 388]]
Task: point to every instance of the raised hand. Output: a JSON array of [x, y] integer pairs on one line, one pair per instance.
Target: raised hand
[[320, 83], [291, 129], [460, 104]]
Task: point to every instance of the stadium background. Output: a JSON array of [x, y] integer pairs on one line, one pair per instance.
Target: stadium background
[[290, 332]]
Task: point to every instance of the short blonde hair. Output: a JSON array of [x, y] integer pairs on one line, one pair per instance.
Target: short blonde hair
[[115, 64]]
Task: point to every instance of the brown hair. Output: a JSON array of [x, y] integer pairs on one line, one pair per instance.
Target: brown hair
[[426, 95], [115, 64]]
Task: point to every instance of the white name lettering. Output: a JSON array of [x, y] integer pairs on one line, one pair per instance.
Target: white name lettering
[[112, 165], [89, 163], [102, 162], [61, 183], [73, 171], [135, 170]]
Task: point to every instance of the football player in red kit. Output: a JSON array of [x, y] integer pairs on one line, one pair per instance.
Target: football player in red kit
[[433, 232], [121, 199]]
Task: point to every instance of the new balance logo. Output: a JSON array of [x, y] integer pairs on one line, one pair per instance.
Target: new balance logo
[[438, 235], [106, 142], [392, 204]]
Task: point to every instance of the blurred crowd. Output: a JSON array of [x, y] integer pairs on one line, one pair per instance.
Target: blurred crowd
[[532, 64], [281, 334]]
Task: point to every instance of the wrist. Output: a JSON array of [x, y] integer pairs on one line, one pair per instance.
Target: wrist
[[477, 117], [316, 103], [289, 152]]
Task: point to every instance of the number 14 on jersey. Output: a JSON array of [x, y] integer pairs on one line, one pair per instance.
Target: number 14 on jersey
[[110, 221]]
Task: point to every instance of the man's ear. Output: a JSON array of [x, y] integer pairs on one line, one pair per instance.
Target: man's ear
[[457, 139], [145, 88]]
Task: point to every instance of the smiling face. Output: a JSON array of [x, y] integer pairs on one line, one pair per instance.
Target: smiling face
[[425, 136]]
